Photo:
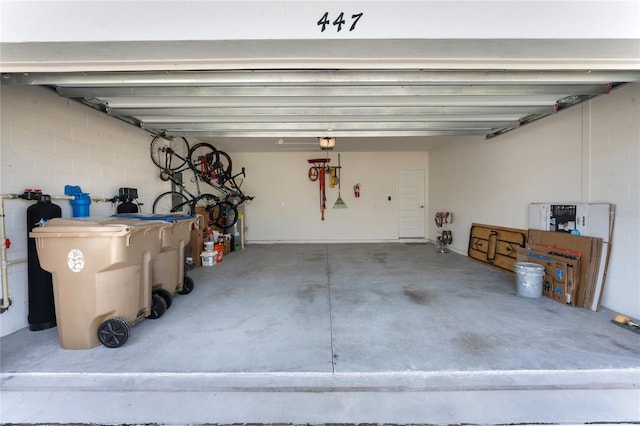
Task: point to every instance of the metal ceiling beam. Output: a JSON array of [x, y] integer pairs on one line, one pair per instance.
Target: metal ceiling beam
[[314, 134], [400, 118], [337, 77], [337, 110], [559, 90], [324, 126], [328, 101]]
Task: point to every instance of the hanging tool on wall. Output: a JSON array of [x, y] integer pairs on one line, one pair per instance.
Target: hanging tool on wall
[[318, 172], [333, 174], [339, 204]]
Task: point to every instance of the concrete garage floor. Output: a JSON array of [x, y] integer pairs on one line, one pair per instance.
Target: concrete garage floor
[[338, 333]]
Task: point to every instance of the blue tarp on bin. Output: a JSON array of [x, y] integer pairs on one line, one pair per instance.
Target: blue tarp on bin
[[151, 216]]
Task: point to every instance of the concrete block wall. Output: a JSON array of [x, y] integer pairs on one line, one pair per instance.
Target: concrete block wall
[[48, 142], [613, 148]]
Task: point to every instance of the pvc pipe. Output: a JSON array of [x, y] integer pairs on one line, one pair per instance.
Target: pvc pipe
[[4, 306], [99, 199], [3, 250], [243, 231]]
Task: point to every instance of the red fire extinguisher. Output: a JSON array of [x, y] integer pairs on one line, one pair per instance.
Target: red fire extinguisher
[[356, 190]]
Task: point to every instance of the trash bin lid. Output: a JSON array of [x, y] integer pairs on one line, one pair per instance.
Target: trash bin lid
[[63, 227], [150, 216], [135, 223]]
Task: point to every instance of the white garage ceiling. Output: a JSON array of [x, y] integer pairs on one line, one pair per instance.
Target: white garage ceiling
[[291, 108], [411, 76]]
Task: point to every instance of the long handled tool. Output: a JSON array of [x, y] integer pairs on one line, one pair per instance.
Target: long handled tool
[[339, 204], [323, 194]]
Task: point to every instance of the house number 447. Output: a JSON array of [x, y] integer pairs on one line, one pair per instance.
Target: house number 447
[[339, 21]]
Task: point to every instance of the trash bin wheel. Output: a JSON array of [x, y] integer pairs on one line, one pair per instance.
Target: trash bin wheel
[[187, 285], [168, 298], [158, 306], [114, 332]]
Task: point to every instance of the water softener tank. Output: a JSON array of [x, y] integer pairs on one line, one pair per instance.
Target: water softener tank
[[42, 311], [127, 197], [127, 207]]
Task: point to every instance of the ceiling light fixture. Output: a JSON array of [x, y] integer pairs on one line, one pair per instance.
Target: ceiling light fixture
[[327, 143]]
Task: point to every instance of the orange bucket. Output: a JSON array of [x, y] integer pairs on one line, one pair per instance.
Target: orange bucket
[[219, 248]]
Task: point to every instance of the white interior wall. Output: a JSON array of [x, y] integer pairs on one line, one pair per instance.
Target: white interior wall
[[48, 142], [287, 203], [589, 153], [493, 181]]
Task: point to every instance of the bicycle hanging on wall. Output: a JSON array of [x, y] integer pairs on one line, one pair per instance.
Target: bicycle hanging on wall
[[208, 165]]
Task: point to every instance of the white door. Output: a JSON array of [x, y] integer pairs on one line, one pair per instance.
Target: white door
[[411, 203]]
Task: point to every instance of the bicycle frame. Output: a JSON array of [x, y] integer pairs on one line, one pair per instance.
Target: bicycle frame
[[232, 192], [206, 167]]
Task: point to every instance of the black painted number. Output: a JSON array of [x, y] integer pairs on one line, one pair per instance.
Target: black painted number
[[355, 18], [339, 22], [324, 21]]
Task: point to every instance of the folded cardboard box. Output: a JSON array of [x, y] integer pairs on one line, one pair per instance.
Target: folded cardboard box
[[196, 246], [561, 281], [590, 249]]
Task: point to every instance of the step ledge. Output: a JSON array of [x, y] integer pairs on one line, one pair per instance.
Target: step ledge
[[410, 381]]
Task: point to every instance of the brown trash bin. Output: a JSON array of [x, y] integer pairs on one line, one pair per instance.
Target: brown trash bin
[[174, 243], [146, 246], [168, 266], [101, 280]]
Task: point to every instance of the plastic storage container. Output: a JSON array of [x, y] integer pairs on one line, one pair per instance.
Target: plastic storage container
[[529, 279], [99, 283], [208, 258], [145, 247], [168, 267]]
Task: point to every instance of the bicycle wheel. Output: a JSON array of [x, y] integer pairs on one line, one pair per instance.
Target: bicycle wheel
[[172, 202], [202, 159], [169, 154], [223, 167], [224, 215]]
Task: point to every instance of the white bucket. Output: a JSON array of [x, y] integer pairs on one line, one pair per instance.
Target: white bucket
[[208, 258], [529, 279], [208, 245]]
